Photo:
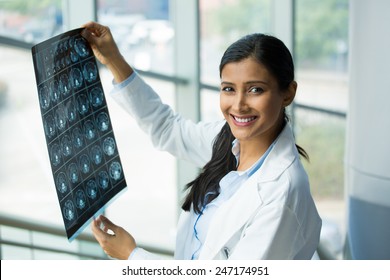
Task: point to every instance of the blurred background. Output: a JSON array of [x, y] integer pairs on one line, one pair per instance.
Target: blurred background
[[176, 46]]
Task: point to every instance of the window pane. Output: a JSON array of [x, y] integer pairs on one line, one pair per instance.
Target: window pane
[[210, 106], [321, 53], [222, 23], [323, 138], [143, 31], [31, 21]]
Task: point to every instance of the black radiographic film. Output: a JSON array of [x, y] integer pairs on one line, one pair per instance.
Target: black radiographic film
[[83, 153]]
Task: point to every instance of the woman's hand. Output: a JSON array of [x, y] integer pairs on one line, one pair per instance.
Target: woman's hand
[[106, 50], [115, 241]]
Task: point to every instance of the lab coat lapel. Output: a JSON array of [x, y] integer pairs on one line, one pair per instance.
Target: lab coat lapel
[[227, 220]]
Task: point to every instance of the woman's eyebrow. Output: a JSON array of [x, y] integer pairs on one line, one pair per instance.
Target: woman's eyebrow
[[248, 82]]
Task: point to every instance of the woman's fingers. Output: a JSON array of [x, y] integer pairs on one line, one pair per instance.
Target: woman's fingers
[[114, 240]]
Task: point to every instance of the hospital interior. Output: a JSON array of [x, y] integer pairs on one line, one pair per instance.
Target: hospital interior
[[339, 115]]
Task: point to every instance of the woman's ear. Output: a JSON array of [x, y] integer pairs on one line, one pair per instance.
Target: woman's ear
[[289, 94]]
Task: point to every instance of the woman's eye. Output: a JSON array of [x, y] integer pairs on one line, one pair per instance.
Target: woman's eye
[[256, 90], [227, 89]]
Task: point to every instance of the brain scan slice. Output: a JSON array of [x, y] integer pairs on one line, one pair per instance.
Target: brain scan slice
[[115, 170], [71, 111], [109, 146], [80, 46], [68, 210], [66, 145], [73, 173], [55, 154], [64, 85], [48, 57], [96, 154], [76, 78], [85, 164], [90, 72], [89, 130], [80, 199], [103, 180], [77, 137], [60, 117], [96, 97], [91, 189], [62, 183], [82, 104], [49, 126], [54, 91], [44, 97], [102, 121]]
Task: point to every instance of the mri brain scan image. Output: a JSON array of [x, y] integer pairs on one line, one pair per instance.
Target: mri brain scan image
[[62, 183], [103, 180], [71, 111], [96, 155], [81, 145], [109, 146], [55, 154], [60, 117], [44, 97], [66, 145], [49, 126], [85, 164], [73, 173], [103, 121], [77, 138], [76, 78], [115, 170], [54, 91], [64, 85], [81, 199], [68, 210], [89, 130], [96, 96], [83, 104], [80, 45], [90, 72], [91, 189]]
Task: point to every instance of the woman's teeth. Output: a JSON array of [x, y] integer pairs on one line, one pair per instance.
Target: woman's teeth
[[244, 120]]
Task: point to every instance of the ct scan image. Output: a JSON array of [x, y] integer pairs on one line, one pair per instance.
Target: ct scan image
[[81, 145]]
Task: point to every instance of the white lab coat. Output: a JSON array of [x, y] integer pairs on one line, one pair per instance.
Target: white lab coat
[[271, 216]]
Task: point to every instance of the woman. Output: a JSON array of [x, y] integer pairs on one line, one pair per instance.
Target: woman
[[252, 199]]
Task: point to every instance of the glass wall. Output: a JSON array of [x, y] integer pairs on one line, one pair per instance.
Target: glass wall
[[221, 23], [321, 58], [143, 31], [145, 36], [30, 21]]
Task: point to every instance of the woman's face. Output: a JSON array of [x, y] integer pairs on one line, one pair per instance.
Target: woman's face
[[252, 102]]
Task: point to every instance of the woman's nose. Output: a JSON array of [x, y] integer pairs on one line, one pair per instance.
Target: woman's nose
[[240, 102]]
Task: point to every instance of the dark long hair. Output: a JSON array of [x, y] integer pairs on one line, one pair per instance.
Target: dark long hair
[[274, 55]]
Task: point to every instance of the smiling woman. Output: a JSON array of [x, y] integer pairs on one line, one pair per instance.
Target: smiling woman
[[252, 199]]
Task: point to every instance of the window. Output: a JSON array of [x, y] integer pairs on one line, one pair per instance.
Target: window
[[145, 36], [321, 55], [30, 21], [143, 32]]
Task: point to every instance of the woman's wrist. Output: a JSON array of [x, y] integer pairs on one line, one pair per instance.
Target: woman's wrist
[[119, 68]]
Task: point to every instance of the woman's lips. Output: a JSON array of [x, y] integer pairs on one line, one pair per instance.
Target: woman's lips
[[243, 121]]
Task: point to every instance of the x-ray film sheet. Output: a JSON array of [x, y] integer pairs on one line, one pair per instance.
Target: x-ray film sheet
[[83, 153]]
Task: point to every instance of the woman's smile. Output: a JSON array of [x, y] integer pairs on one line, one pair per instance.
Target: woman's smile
[[243, 120]]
